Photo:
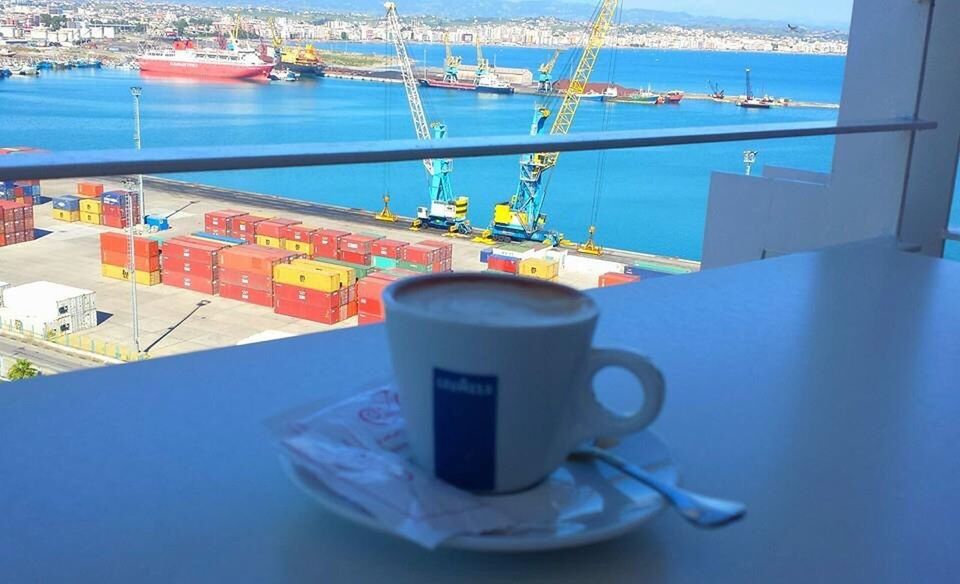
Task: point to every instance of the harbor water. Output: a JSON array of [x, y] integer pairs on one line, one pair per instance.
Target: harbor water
[[651, 200]]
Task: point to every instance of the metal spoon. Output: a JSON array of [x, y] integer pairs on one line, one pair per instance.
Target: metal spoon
[[697, 509]]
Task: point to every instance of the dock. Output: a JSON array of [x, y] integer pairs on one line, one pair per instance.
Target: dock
[[174, 320]]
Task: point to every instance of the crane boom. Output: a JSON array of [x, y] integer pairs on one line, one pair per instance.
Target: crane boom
[[420, 124], [521, 218]]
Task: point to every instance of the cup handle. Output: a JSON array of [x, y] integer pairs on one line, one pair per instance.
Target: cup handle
[[598, 420]]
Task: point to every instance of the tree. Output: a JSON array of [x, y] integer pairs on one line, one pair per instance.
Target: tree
[[180, 25], [22, 369]]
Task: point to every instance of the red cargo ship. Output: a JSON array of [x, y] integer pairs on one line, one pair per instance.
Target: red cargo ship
[[185, 59]]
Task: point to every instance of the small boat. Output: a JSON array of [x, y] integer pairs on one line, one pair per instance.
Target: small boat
[[490, 83], [45, 64], [643, 97], [610, 93], [283, 75], [674, 96], [28, 70], [4, 72], [86, 63]]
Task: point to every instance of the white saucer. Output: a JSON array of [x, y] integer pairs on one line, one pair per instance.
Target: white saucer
[[607, 503]]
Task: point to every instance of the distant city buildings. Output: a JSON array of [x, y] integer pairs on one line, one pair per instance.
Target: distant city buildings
[[64, 22]]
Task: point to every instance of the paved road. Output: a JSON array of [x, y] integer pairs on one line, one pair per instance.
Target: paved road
[[48, 361]]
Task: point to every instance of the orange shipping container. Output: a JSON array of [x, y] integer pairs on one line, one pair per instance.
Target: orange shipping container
[[119, 242], [119, 258], [615, 279], [89, 189], [255, 258]]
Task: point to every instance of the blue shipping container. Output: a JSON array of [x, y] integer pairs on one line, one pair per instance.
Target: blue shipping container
[[67, 203], [223, 238], [161, 223], [115, 198], [485, 254], [643, 273]]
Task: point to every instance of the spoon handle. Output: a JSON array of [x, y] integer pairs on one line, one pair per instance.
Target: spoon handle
[[697, 509]]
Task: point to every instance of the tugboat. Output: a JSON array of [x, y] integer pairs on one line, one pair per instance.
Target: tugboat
[[674, 96], [283, 75]]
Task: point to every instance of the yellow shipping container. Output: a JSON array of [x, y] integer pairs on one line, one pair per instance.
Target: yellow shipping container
[[347, 275], [269, 241], [69, 216], [91, 206], [306, 277], [540, 268], [298, 246], [93, 218], [120, 273]]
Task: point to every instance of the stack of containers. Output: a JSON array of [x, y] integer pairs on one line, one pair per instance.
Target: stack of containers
[[66, 208], [220, 222], [115, 258], [299, 238], [270, 233], [47, 307], [91, 211], [499, 263], [315, 291], [370, 294], [540, 268], [16, 222], [245, 227], [385, 253], [192, 263], [246, 272], [427, 256], [115, 209], [615, 279], [357, 248], [21, 191], [326, 243]]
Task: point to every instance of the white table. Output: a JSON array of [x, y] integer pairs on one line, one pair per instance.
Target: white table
[[822, 389]]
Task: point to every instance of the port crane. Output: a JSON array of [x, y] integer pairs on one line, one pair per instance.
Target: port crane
[[520, 219], [451, 64], [545, 80], [446, 211], [483, 65], [277, 41]]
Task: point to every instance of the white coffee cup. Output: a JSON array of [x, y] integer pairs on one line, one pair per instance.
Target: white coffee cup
[[495, 375]]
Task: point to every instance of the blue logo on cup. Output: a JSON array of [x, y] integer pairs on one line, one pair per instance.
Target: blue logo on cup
[[465, 429]]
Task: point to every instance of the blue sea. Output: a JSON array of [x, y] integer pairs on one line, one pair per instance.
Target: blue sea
[[651, 200]]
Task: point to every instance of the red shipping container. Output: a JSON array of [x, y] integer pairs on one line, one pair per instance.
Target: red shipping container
[[388, 248], [260, 297], [363, 318], [299, 232], [305, 311], [194, 250], [191, 282], [246, 279], [357, 244], [189, 268], [420, 254], [326, 243], [121, 258], [3, 239], [615, 279], [275, 227], [503, 264], [355, 258], [119, 242], [113, 221], [245, 227], [220, 222], [445, 247], [255, 258], [314, 298]]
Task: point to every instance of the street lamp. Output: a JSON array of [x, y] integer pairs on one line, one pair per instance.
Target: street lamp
[[135, 92]]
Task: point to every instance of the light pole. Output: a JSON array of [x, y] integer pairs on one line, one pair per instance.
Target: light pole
[[749, 158], [132, 274], [135, 92]]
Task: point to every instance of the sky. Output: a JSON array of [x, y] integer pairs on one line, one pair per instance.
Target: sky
[[806, 11]]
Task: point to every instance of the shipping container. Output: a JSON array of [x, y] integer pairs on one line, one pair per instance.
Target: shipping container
[[90, 189], [445, 247], [119, 242], [499, 263], [91, 218], [312, 297], [121, 259], [360, 259], [360, 271], [307, 277], [415, 267], [267, 241], [388, 248], [541, 269], [191, 281], [90, 206], [304, 247], [66, 203], [421, 254], [246, 279], [219, 238], [190, 249], [275, 227], [301, 233], [251, 296], [383, 263], [357, 244], [645, 272], [245, 227], [307, 312], [615, 279], [364, 318], [121, 273], [121, 199], [254, 258], [188, 268], [348, 275], [68, 216], [220, 222], [326, 243], [485, 254], [370, 291]]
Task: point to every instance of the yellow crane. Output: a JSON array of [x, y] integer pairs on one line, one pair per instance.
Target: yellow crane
[[277, 40], [520, 218]]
